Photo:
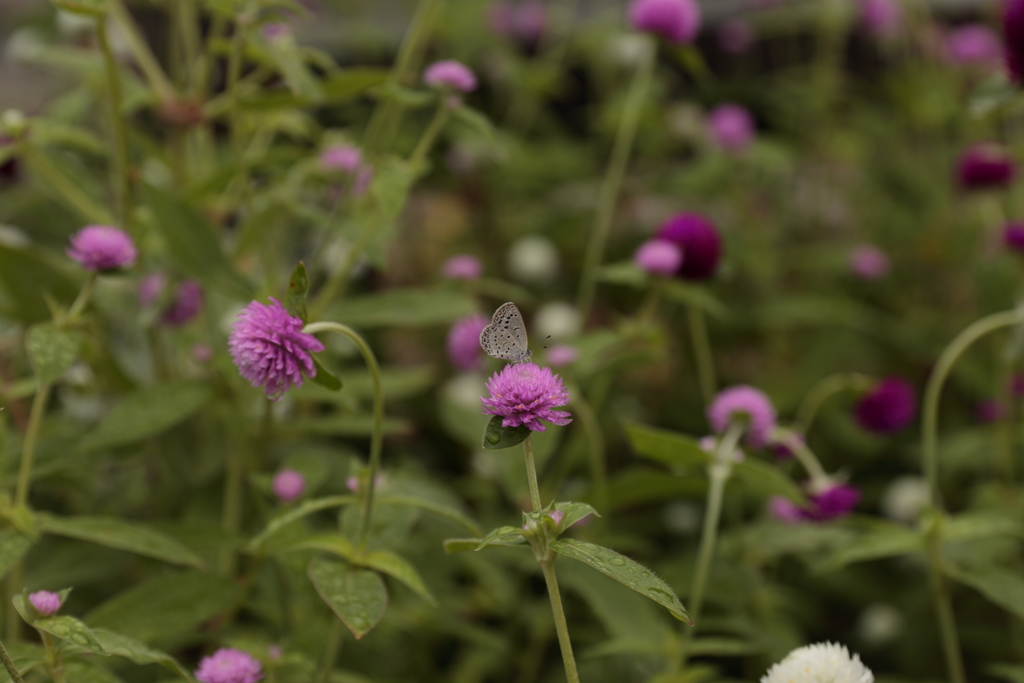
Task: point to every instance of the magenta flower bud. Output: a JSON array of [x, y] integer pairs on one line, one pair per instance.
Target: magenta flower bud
[[675, 20], [881, 17], [524, 22], [1013, 237], [150, 288], [102, 248], [450, 74], [985, 166], [270, 349], [868, 262], [731, 126], [989, 410], [740, 401], [973, 44], [888, 407], [464, 343], [525, 394], [462, 267], [228, 665], [288, 485], [186, 305], [45, 602], [735, 36], [562, 354], [344, 158], [700, 242], [1013, 38], [785, 510], [836, 501], [659, 257], [556, 516]]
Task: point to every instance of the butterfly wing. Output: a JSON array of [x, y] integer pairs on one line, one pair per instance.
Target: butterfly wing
[[505, 336]]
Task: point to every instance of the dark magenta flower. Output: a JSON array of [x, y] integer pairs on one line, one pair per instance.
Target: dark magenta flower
[[464, 343], [973, 44], [228, 665], [838, 500], [731, 126], [270, 348], [186, 305], [462, 267], [985, 166], [888, 407], [450, 74], [699, 239], [1013, 38], [743, 402], [989, 410], [868, 262], [288, 485], [102, 248], [1013, 237], [46, 602], [150, 288], [525, 394], [523, 21], [675, 20], [659, 257]]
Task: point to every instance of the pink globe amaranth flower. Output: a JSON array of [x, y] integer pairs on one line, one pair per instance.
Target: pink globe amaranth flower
[[228, 665], [785, 510], [525, 394], [731, 126], [46, 602], [288, 485], [464, 343], [989, 410], [973, 44], [525, 21], [675, 20], [888, 407], [743, 400], [186, 305], [270, 348], [735, 36], [838, 500], [150, 288], [450, 73], [700, 242], [1013, 38], [1013, 237], [102, 248], [985, 166], [556, 516], [562, 354], [659, 257], [868, 262], [344, 158], [462, 267], [881, 17]]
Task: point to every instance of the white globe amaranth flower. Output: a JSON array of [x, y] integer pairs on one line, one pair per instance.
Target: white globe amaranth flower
[[559, 319], [904, 498], [819, 663], [533, 259]]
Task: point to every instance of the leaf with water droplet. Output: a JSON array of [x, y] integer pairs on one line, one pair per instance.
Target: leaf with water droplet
[[71, 630], [398, 567], [623, 569], [497, 437], [503, 535], [357, 596], [574, 512]]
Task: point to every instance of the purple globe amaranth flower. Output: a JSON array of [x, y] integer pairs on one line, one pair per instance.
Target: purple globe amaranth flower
[[562, 354], [785, 510], [102, 248], [675, 20], [699, 239], [985, 166], [1013, 237], [270, 348], [525, 21], [868, 262], [462, 267], [888, 407], [150, 288], [735, 36], [742, 401], [659, 257], [344, 158], [451, 74], [837, 500], [186, 305], [973, 44], [46, 602], [881, 17], [288, 485], [731, 126], [525, 394], [228, 665], [1013, 38], [464, 343], [989, 410]]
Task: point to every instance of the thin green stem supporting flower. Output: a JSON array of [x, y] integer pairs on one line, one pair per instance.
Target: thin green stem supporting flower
[[144, 57], [823, 390], [531, 473], [944, 603], [53, 658], [429, 137], [331, 650], [120, 168], [614, 174], [802, 453], [28, 450], [377, 436], [702, 353], [8, 663]]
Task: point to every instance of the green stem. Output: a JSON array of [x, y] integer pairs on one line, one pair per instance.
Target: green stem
[[120, 168], [561, 627], [805, 455], [147, 62], [28, 450], [531, 473], [824, 389], [9, 665], [429, 136], [702, 353], [234, 113], [232, 513], [188, 29], [12, 625], [614, 174], [944, 605], [71, 193], [377, 436], [81, 300], [331, 650], [53, 659], [1004, 431]]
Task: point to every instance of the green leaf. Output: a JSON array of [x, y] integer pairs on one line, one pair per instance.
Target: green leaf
[[298, 287], [346, 84], [695, 295], [497, 437], [331, 543], [296, 73], [1009, 672], [972, 526], [574, 512], [324, 377], [66, 628], [404, 308], [765, 479], [298, 512], [51, 350], [670, 448], [82, 671], [624, 570], [503, 535], [439, 509], [191, 241], [147, 412], [1002, 587], [121, 535], [476, 120], [407, 97], [644, 486], [13, 546], [723, 647], [167, 605], [357, 596], [95, 8], [135, 651], [886, 540], [27, 278], [624, 273], [460, 545], [398, 567]]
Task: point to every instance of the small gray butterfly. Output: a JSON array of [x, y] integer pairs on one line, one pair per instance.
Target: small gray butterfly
[[505, 336]]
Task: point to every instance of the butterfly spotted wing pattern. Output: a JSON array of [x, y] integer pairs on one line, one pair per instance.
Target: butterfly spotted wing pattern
[[505, 336]]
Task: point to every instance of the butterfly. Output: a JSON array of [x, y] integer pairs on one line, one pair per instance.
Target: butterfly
[[505, 336]]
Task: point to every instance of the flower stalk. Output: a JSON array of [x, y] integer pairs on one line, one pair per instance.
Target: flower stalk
[[822, 391], [702, 353], [8, 663], [120, 168]]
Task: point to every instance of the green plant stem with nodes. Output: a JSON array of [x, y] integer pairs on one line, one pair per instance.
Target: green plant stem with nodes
[[120, 168], [531, 473], [377, 436], [702, 353], [822, 391], [616, 171], [719, 470], [28, 450], [429, 137], [144, 57], [8, 663], [52, 658], [331, 650]]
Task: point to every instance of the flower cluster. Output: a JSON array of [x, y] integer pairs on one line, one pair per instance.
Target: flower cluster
[[102, 248], [464, 343], [288, 485], [228, 665], [700, 242], [888, 407], [46, 602], [819, 663], [675, 20], [525, 394], [451, 75], [744, 402]]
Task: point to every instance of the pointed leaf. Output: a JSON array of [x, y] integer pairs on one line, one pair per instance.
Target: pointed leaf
[[887, 540], [28, 278], [574, 512], [432, 506], [767, 480], [66, 628], [324, 377], [664, 446], [624, 570], [497, 437], [357, 596], [147, 412], [1003, 587], [460, 545], [51, 350], [13, 546], [398, 567], [121, 535], [135, 651], [503, 535], [331, 543], [298, 512], [295, 299]]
